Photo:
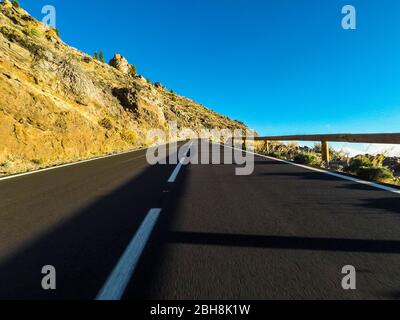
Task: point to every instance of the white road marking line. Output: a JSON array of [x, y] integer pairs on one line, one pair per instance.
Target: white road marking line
[[67, 165], [118, 280], [337, 175], [129, 160], [174, 174], [72, 164]]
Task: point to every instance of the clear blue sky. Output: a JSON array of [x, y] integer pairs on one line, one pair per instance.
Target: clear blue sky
[[281, 66]]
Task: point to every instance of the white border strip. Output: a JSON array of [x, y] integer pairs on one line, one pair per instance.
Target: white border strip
[[68, 164], [119, 278], [337, 175]]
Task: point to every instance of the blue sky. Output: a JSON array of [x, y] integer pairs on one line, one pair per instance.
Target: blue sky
[[281, 66]]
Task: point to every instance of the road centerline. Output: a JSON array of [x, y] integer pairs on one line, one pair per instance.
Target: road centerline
[[175, 173], [118, 280]]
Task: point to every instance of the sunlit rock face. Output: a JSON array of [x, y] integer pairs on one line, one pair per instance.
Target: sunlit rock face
[[58, 104]]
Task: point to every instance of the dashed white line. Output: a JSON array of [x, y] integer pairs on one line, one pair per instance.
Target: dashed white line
[[174, 174], [119, 278], [116, 283]]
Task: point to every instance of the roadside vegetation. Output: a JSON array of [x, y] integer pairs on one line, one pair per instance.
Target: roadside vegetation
[[379, 168], [99, 56], [15, 3]]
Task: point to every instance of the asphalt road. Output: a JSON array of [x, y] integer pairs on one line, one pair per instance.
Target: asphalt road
[[283, 232]]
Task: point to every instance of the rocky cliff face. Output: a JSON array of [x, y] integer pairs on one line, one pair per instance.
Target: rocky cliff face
[[119, 62], [57, 104]]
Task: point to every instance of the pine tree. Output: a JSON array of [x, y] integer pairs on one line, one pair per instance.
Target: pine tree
[[15, 3], [101, 57], [133, 70], [96, 56]]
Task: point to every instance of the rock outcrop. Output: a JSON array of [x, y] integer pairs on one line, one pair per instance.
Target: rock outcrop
[[57, 104], [131, 99], [120, 63]]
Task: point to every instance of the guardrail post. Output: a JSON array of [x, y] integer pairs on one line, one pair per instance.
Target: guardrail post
[[267, 146], [325, 151]]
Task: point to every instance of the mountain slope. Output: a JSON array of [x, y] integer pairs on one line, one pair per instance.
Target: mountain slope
[[58, 104]]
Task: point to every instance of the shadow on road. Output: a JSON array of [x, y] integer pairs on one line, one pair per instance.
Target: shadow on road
[[146, 283], [282, 242], [378, 198], [85, 248], [394, 295], [153, 258], [306, 175], [389, 205]]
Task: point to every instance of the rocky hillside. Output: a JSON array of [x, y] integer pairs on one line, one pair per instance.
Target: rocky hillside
[[58, 104]]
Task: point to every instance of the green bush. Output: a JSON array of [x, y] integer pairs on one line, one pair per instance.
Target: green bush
[[133, 70], [38, 162], [307, 158], [129, 137], [381, 174], [12, 35], [359, 162], [101, 57], [15, 3], [274, 154], [34, 32], [106, 123], [317, 148]]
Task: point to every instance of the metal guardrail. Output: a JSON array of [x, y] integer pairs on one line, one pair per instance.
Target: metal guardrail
[[380, 138]]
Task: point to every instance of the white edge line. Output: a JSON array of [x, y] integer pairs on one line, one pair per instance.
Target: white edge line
[[118, 280], [177, 169], [337, 175], [74, 163], [68, 164]]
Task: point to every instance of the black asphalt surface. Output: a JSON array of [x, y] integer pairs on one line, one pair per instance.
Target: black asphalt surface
[[283, 232]]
